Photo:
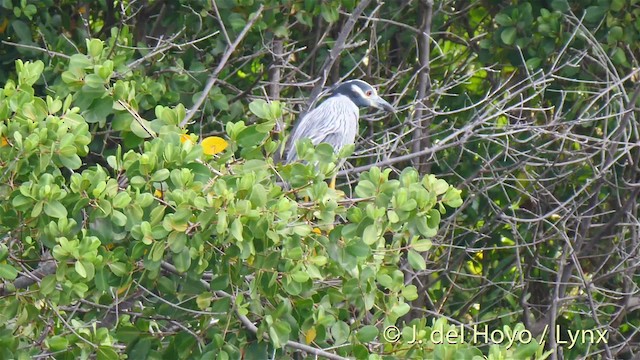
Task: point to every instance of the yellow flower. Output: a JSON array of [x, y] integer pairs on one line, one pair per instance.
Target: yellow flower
[[3, 141], [184, 138], [213, 145]]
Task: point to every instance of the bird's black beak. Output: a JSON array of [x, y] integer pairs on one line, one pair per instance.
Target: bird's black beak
[[382, 104]]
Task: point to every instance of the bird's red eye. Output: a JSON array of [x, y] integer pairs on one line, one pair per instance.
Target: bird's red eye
[[369, 92]]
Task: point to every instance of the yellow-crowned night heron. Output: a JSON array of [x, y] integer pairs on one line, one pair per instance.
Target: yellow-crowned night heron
[[335, 121]]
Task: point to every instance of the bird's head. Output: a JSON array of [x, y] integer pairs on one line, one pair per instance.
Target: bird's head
[[362, 94]]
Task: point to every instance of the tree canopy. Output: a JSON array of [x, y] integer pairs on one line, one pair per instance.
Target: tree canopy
[[144, 214]]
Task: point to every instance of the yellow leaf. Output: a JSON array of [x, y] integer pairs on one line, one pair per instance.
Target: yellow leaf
[[121, 290], [310, 335], [317, 231], [184, 138], [213, 145], [3, 25]]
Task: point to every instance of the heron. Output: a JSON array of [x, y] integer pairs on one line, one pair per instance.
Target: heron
[[335, 121]]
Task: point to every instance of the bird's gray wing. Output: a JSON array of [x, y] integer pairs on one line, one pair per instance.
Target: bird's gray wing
[[329, 123]]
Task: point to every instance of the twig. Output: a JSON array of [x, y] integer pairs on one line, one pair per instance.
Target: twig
[[336, 50], [224, 28], [47, 267], [137, 117], [33, 47], [275, 75], [421, 135], [252, 327], [223, 61]]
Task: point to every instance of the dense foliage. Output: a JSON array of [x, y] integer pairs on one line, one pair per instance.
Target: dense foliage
[[142, 213]]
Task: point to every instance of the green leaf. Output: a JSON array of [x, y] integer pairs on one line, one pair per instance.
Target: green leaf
[[118, 268], [37, 209], [95, 47], [534, 63], [57, 343], [182, 260], [8, 272], [619, 57], [440, 186], [503, 19], [370, 235], [160, 175], [400, 309], [102, 280], [20, 201], [80, 269], [300, 276], [121, 200], [617, 5], [55, 209], [340, 332], [107, 353], [560, 5], [526, 351], [48, 284], [421, 245], [260, 108], [98, 111], [94, 81], [367, 333], [79, 61], [72, 162], [204, 300], [4, 252], [329, 12], [22, 30], [594, 14], [250, 137], [141, 131], [416, 260], [157, 251], [236, 229], [220, 282], [433, 219], [508, 35], [358, 249], [452, 198], [424, 228], [410, 292]]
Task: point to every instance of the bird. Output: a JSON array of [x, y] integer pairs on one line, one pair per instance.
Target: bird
[[335, 121]]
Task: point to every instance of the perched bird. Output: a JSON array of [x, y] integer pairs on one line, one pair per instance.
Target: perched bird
[[335, 121]]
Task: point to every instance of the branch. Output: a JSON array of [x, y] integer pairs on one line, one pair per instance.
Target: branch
[[223, 61], [421, 135], [137, 118], [336, 50], [32, 47], [252, 327], [45, 268], [275, 76]]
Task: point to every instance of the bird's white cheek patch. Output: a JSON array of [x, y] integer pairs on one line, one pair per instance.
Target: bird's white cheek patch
[[356, 89], [359, 91]]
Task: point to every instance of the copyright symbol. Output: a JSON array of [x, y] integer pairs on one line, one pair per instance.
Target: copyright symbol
[[391, 334]]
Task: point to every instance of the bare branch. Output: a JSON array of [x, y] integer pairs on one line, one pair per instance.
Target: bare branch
[[223, 61]]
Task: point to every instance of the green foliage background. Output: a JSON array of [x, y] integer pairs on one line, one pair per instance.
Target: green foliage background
[[121, 238]]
